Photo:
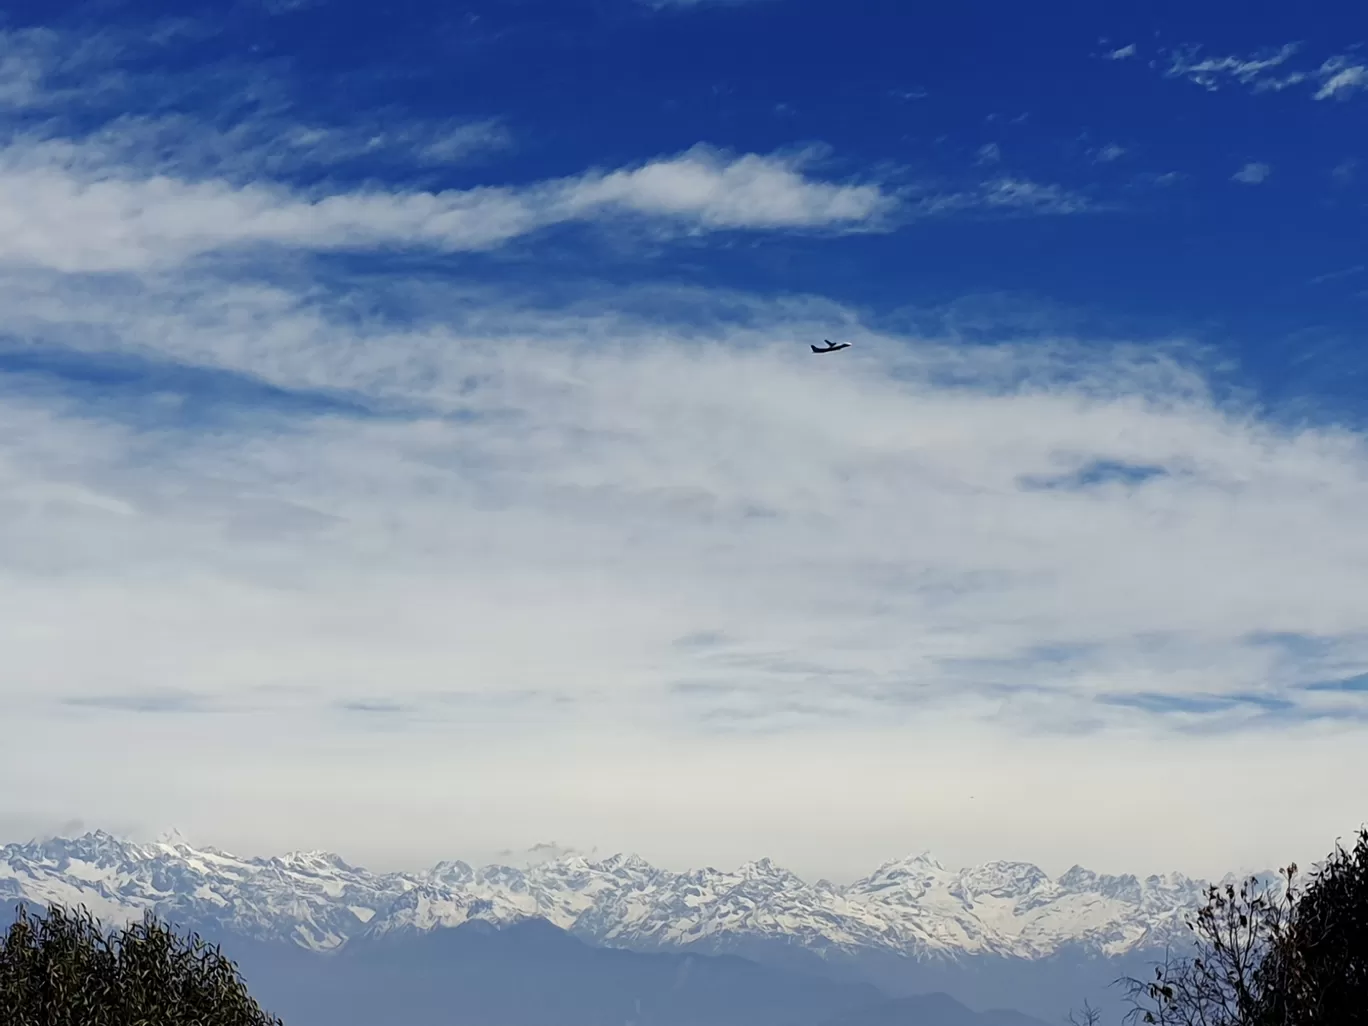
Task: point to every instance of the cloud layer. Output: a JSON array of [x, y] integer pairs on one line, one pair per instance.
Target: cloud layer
[[357, 544], [490, 521]]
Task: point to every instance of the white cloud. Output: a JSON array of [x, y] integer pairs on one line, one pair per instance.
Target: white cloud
[[1159, 180], [989, 153], [20, 79], [105, 100], [1340, 79], [617, 564], [1109, 153], [95, 204], [57, 215], [1253, 71], [1006, 195], [572, 493], [1343, 272], [1121, 52], [27, 59], [1252, 173], [749, 191], [143, 188], [269, 144], [1019, 194], [45, 71]]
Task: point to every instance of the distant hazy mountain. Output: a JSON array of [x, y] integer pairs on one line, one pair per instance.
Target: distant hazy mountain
[[928, 1010], [532, 973], [1003, 933]]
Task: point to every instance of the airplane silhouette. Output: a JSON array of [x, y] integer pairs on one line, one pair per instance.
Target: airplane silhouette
[[831, 347]]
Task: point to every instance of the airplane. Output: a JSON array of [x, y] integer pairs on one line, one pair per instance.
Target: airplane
[[831, 347]]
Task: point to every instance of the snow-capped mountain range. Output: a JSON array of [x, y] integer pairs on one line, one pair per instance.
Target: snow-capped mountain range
[[912, 906]]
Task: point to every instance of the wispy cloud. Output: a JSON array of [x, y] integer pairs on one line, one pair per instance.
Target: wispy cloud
[[374, 707], [1252, 173], [110, 98], [1158, 180], [690, 4], [1258, 72], [1121, 53], [269, 144], [1343, 272], [153, 701], [139, 189], [989, 153], [42, 70], [1002, 195], [125, 189], [1027, 196], [73, 207], [72, 219], [1344, 171], [1339, 77], [287, 6], [1108, 153]]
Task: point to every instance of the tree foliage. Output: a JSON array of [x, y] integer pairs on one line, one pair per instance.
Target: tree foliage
[[1222, 984], [63, 969], [1269, 955], [1319, 974]]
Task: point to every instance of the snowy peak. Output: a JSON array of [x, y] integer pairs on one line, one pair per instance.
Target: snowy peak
[[312, 899], [914, 875], [1005, 880], [913, 906], [425, 907], [624, 867], [97, 848], [450, 874], [764, 869], [545, 851], [918, 867], [174, 840], [922, 860]]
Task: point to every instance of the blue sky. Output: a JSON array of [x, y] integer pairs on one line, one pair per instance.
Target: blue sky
[[415, 412]]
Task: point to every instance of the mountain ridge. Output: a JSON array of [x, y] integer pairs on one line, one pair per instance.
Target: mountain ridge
[[913, 907]]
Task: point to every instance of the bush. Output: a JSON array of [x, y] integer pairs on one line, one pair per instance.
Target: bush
[[1318, 973], [1270, 956], [62, 969]]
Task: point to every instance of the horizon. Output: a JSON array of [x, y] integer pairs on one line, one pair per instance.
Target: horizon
[[410, 440]]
